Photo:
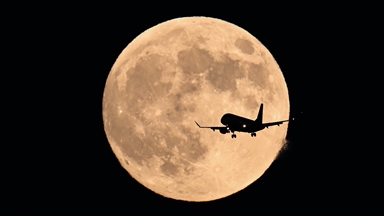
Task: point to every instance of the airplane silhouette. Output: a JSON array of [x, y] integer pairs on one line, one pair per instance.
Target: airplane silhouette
[[237, 123]]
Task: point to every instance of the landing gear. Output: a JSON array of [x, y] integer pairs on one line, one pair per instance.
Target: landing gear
[[253, 134], [233, 134]]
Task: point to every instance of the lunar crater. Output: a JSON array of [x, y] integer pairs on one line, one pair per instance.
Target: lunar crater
[[245, 46]]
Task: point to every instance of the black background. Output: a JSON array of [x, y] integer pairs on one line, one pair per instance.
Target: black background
[[56, 57]]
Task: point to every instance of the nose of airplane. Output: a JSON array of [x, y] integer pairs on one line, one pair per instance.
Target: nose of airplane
[[225, 119]]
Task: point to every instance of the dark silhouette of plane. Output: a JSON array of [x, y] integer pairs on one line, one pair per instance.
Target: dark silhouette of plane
[[237, 123]]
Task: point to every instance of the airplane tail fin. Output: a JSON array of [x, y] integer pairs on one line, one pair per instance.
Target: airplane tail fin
[[259, 118]]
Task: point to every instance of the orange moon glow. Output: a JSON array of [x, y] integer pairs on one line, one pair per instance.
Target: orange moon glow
[[186, 69]]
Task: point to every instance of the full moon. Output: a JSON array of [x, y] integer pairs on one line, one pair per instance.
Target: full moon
[[185, 70]]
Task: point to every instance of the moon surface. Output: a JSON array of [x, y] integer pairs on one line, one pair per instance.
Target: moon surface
[[186, 69]]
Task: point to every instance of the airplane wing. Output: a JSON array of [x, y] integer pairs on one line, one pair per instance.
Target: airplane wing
[[211, 127], [278, 123]]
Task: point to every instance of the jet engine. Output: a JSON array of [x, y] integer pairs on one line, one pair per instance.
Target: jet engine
[[224, 131]]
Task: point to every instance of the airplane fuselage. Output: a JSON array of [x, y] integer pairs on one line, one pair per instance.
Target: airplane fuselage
[[238, 123]]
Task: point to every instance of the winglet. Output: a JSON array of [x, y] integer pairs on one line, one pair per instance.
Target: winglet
[[198, 124]]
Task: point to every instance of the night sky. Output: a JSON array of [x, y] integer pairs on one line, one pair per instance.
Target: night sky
[[59, 56]]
